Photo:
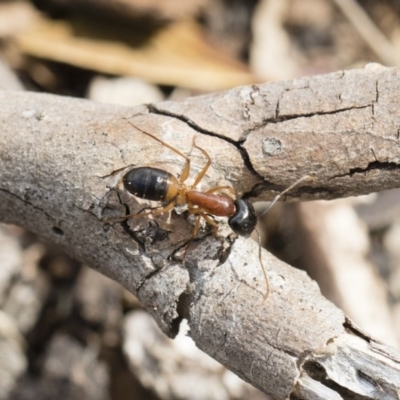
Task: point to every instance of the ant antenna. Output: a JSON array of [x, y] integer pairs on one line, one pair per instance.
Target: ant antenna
[[261, 263], [278, 196]]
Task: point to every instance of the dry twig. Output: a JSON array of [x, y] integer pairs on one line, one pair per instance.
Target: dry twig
[[61, 162]]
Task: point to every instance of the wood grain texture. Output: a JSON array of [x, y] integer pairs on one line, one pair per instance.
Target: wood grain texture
[[61, 165]]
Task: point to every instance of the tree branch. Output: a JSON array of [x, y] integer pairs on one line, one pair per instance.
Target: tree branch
[[61, 164]]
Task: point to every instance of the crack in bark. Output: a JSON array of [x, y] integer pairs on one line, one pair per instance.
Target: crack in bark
[[288, 117], [374, 165], [245, 156], [255, 91], [350, 326], [276, 113], [153, 109], [28, 203], [268, 186], [317, 372], [148, 277]]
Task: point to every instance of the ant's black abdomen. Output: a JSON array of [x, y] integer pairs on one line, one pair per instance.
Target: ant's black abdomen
[[244, 220], [149, 183]]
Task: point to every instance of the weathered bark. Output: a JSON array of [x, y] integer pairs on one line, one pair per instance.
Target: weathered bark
[[61, 164], [336, 247]]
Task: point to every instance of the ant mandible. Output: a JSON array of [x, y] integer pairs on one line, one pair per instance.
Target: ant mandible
[[158, 185]]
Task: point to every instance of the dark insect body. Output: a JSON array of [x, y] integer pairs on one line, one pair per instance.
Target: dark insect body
[[150, 183]]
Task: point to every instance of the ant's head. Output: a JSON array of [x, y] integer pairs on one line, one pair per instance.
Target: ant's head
[[244, 220]]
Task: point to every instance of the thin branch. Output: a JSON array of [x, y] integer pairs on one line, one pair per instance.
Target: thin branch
[[61, 165]]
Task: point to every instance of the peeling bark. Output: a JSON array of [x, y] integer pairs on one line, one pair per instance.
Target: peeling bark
[[61, 165]]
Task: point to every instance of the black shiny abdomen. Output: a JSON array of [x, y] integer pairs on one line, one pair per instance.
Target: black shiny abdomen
[[147, 183], [244, 220]]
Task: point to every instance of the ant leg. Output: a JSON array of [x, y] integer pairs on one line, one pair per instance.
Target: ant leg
[[186, 168], [262, 265], [185, 171], [195, 211], [161, 210], [210, 222], [196, 226], [278, 196], [116, 171], [201, 174], [201, 214], [192, 210]]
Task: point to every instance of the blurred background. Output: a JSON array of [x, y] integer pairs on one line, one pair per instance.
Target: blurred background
[[68, 332]]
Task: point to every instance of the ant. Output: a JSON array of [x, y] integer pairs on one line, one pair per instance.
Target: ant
[[158, 185]]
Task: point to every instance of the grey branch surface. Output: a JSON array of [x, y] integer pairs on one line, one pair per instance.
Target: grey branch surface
[[61, 164]]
